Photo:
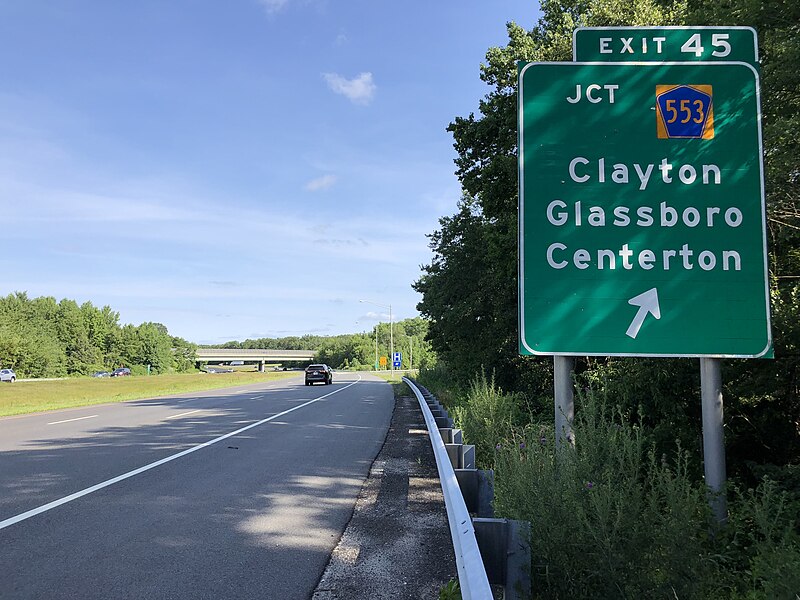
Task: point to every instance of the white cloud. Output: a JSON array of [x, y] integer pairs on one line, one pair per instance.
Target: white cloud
[[273, 6], [375, 316], [321, 183], [359, 90]]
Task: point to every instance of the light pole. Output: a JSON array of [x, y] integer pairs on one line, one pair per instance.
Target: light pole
[[391, 330], [376, 346]]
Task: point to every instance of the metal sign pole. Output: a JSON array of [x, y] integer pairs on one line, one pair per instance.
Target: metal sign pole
[[713, 436], [565, 400]]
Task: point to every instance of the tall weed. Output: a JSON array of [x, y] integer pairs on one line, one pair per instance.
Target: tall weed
[[610, 518], [614, 517], [487, 416], [439, 379], [760, 549]]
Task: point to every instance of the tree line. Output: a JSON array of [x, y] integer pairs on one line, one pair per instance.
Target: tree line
[[42, 337]]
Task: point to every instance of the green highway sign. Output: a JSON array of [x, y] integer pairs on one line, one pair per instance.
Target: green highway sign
[[661, 44], [642, 220]]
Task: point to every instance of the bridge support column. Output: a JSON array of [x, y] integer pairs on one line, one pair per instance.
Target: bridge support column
[[261, 365]]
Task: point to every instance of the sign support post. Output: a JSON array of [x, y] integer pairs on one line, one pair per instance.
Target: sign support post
[[713, 436], [565, 399]]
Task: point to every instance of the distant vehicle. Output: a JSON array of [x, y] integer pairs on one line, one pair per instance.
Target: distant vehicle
[[237, 363], [101, 374], [8, 375], [321, 373], [121, 372]]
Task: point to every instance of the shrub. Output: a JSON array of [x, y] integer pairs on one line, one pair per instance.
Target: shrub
[[624, 513], [610, 519], [487, 416], [759, 553], [441, 382]]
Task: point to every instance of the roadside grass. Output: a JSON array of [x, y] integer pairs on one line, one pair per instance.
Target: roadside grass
[[24, 397], [396, 380]]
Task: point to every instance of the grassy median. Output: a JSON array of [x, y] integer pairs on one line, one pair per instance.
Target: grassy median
[[24, 397]]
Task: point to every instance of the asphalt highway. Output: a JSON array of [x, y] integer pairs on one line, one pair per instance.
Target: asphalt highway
[[234, 493]]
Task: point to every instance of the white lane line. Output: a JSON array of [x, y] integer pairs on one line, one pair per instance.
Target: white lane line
[[85, 492], [75, 419], [184, 414]]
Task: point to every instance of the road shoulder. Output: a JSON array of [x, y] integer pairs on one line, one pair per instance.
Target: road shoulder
[[397, 544]]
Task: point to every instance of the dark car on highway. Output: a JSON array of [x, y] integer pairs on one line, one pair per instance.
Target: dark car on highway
[[121, 372], [315, 373]]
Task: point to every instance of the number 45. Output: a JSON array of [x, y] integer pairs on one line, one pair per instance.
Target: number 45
[[718, 40]]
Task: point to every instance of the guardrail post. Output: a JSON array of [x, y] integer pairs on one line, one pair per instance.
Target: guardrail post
[[444, 422], [477, 487], [462, 456], [506, 553], [467, 456], [518, 567], [451, 436]]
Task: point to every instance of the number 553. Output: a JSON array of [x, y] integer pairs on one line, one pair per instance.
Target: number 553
[[685, 110]]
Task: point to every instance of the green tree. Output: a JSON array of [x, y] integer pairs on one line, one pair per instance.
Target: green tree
[[184, 355], [102, 327], [82, 355], [155, 347], [129, 347]]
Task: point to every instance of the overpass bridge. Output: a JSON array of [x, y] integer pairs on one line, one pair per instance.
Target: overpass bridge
[[261, 356]]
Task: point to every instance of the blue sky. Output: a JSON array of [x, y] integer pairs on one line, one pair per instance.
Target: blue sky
[[238, 169]]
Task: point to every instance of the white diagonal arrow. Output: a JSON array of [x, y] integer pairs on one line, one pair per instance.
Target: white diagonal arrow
[[647, 303]]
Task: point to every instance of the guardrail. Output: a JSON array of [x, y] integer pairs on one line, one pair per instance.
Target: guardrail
[[504, 555], [472, 576]]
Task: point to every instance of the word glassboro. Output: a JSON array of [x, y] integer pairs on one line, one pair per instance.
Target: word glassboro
[[642, 226]]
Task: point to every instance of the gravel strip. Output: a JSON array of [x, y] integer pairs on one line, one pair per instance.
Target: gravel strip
[[397, 544]]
